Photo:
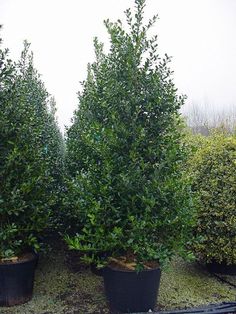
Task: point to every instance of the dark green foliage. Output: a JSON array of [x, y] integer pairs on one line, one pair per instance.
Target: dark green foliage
[[124, 150], [31, 162], [213, 172]]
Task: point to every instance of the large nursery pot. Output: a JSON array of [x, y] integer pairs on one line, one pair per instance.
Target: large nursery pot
[[17, 280], [129, 291]]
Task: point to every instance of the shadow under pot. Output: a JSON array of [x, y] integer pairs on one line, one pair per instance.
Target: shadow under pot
[[221, 268], [17, 280], [131, 291], [96, 271]]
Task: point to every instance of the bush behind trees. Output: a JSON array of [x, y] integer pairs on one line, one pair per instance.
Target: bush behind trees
[[212, 169], [125, 151]]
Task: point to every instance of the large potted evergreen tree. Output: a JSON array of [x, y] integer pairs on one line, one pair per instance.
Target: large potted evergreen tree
[[29, 174], [124, 154]]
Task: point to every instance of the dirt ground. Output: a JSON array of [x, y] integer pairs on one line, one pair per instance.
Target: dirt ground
[[61, 287]]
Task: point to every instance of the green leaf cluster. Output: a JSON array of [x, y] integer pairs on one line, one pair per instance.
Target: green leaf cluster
[[125, 151]]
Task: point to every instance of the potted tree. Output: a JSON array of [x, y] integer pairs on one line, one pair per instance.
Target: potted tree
[[27, 180], [124, 154]]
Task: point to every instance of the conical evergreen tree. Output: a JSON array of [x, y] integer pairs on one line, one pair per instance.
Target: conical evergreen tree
[[29, 160], [124, 149]]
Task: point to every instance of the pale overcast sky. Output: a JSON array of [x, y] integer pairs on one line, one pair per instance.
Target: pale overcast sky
[[199, 34]]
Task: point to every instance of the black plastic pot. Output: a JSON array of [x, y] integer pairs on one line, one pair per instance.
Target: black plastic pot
[[221, 268], [17, 281], [129, 291]]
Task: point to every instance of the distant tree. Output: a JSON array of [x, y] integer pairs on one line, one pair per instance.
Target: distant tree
[[204, 120]]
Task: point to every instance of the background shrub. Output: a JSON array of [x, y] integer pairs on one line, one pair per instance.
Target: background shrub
[[213, 172]]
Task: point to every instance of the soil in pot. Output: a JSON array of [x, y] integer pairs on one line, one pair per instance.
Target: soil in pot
[[221, 268], [129, 291], [17, 279]]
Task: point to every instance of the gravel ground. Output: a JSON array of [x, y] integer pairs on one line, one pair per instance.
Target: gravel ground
[[61, 287]]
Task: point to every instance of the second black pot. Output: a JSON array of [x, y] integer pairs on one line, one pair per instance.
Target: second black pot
[[129, 291]]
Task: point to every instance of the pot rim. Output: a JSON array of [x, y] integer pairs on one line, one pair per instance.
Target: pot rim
[[35, 256], [132, 271]]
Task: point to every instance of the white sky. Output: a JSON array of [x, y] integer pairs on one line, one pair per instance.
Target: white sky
[[199, 34]]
